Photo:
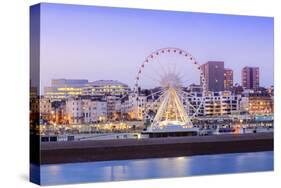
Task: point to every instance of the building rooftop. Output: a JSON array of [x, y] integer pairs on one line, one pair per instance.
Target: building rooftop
[[107, 82]]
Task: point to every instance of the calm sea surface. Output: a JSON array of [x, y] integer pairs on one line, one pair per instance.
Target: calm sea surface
[[156, 168]]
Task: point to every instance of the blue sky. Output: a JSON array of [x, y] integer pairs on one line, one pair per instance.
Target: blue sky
[[95, 43]]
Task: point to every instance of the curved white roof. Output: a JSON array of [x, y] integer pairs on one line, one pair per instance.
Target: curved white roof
[[107, 82]]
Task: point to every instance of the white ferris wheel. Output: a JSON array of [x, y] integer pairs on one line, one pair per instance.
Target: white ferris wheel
[[163, 79]]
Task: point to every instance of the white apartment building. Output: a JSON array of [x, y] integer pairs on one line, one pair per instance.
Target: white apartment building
[[45, 107], [126, 104], [134, 106], [141, 103], [222, 104], [214, 104], [113, 107], [80, 110]]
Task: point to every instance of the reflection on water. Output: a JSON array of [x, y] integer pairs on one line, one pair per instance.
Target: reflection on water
[[156, 168]]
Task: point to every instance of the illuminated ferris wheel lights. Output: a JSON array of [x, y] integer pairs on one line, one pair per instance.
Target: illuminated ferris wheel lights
[[171, 92]]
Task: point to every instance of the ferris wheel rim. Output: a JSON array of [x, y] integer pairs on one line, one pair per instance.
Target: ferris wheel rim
[[174, 50]]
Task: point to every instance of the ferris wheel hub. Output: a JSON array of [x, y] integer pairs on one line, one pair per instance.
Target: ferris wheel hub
[[170, 80]]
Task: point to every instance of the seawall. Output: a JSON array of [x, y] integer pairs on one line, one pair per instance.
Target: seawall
[[102, 150]]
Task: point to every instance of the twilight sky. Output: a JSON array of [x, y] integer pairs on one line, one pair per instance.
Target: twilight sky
[[110, 43]]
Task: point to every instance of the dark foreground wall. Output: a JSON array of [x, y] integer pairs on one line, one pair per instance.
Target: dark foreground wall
[[84, 151]]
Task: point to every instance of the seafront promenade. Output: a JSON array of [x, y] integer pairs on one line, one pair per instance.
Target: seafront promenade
[[101, 150]]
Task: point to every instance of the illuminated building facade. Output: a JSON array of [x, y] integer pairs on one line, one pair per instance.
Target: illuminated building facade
[[58, 112], [221, 103], [250, 77], [85, 110], [106, 88], [62, 88], [214, 104], [137, 106], [45, 107], [228, 79], [213, 72], [257, 104], [270, 90], [130, 107], [113, 107]]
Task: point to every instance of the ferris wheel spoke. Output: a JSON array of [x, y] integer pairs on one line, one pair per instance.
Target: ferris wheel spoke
[[154, 66], [156, 101], [189, 104], [170, 68], [155, 80], [184, 92], [171, 98], [181, 76], [195, 108], [185, 81], [157, 92], [156, 72], [177, 71]]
